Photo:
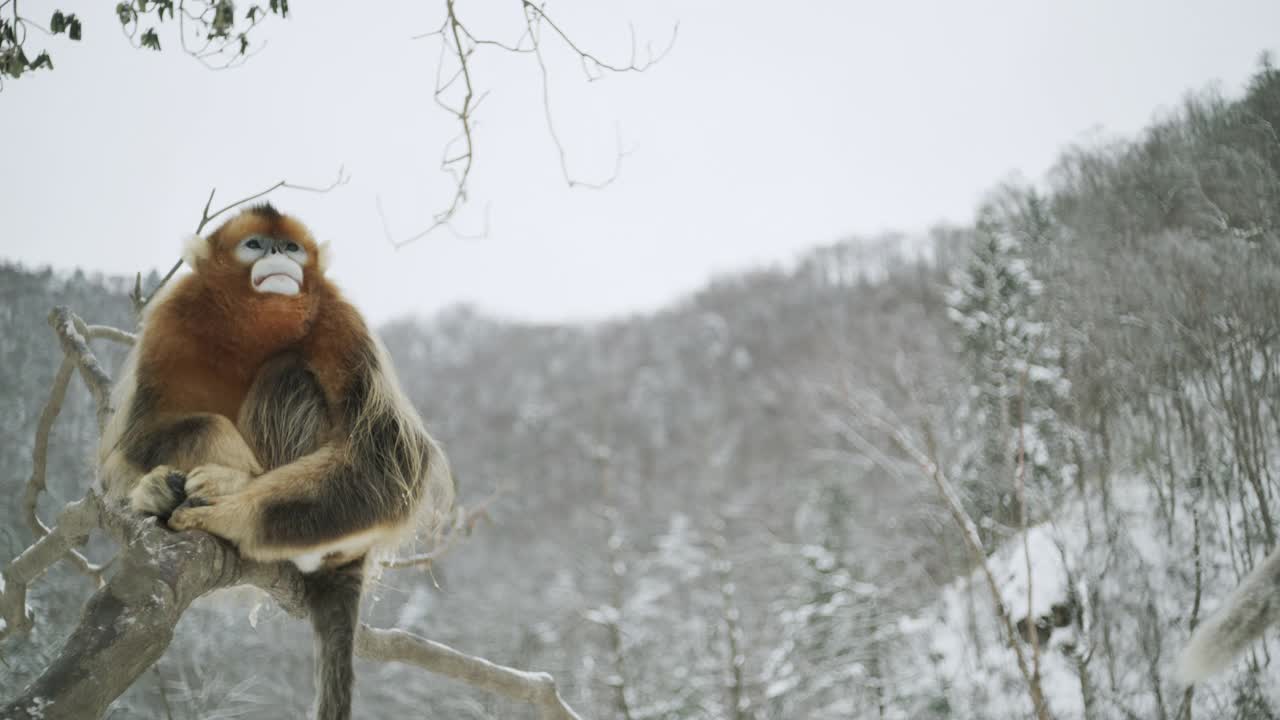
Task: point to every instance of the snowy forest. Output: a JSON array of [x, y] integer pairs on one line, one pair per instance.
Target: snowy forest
[[798, 492]]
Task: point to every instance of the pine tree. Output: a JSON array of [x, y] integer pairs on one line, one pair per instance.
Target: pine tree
[[1017, 380]]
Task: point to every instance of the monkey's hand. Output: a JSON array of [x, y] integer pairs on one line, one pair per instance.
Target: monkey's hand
[[213, 503], [159, 492], [210, 481]]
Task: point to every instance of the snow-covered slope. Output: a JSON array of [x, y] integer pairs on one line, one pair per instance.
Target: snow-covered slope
[[1112, 590]]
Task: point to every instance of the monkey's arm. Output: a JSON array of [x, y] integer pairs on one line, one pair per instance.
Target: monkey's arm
[[161, 428], [146, 462], [322, 508]]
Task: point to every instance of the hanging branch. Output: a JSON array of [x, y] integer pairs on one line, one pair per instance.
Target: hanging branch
[[458, 45]]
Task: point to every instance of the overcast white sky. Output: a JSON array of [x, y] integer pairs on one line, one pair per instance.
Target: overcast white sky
[[770, 128]]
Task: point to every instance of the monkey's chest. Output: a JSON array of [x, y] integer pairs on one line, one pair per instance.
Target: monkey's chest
[[203, 390]]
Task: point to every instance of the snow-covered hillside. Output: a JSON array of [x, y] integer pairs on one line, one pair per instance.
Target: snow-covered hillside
[[1126, 560]]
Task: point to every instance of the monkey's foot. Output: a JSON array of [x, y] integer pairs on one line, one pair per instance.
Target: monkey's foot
[[211, 504], [209, 481], [223, 517], [159, 492]]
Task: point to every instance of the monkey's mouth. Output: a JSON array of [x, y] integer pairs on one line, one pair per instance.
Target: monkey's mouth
[[277, 283], [277, 274]]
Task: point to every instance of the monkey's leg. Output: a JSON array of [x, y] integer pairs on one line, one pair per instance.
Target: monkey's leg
[[333, 598], [313, 511]]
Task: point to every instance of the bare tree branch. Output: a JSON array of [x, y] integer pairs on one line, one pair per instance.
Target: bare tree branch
[[206, 217], [40, 450], [532, 9], [464, 523], [534, 32], [74, 524], [968, 530], [1020, 490], [71, 332], [458, 44], [74, 345], [128, 623], [538, 689]]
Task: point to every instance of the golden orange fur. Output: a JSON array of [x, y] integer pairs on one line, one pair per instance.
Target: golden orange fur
[[273, 421]]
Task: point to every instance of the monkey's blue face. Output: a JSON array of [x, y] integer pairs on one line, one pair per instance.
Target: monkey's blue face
[[276, 263]]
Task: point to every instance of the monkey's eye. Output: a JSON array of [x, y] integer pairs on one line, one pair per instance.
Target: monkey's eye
[[291, 247], [253, 244]]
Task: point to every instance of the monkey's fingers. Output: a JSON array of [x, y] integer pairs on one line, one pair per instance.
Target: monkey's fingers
[[159, 492]]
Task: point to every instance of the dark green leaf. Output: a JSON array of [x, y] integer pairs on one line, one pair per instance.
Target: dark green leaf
[[58, 22], [42, 60], [223, 18], [253, 13], [16, 61], [125, 13], [73, 27], [244, 43], [6, 64], [150, 39]]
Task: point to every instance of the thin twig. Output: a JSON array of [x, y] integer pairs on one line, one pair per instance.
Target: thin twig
[[1184, 710], [632, 66], [572, 182], [451, 42], [464, 523], [139, 303], [460, 44]]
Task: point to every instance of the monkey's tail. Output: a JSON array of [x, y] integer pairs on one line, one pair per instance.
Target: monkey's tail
[[1245, 615], [333, 598]]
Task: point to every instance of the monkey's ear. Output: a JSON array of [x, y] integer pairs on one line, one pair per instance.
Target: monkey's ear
[[195, 250], [324, 252]]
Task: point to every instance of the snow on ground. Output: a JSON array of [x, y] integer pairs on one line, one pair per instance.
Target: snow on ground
[[952, 662]]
